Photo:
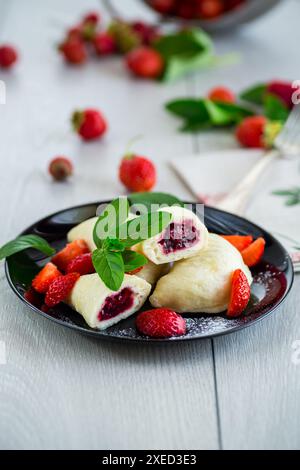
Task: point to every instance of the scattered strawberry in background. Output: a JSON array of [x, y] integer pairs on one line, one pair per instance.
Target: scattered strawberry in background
[[82, 264], [163, 6], [254, 253], [104, 44], [145, 62], [45, 277], [74, 51], [147, 32], [240, 294], [60, 289], [137, 173], [90, 124], [251, 131], [283, 90], [222, 94], [209, 9], [89, 25], [161, 323], [60, 168], [69, 253], [8, 56]]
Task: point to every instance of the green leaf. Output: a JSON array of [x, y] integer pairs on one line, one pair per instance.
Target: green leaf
[[23, 243], [184, 52], [133, 260], [149, 199], [110, 267], [113, 244], [189, 109], [141, 228], [254, 94], [292, 195], [120, 208], [275, 109]]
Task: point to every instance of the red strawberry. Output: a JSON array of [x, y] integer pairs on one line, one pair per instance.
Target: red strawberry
[[74, 51], [163, 6], [74, 33], [33, 297], [186, 10], [89, 26], [45, 277], [60, 289], [82, 264], [161, 323], [147, 32], [145, 62], [89, 124], [60, 168], [253, 254], [251, 132], [283, 90], [240, 294], [70, 252], [135, 271], [209, 9], [104, 44], [137, 173], [238, 241], [92, 17], [8, 56], [222, 94]]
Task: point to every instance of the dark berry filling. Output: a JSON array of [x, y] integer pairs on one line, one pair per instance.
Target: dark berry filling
[[116, 304], [179, 236]]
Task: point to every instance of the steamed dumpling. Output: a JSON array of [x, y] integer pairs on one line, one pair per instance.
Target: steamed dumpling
[[201, 284]]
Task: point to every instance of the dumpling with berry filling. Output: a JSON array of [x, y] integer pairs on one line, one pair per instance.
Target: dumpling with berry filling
[[102, 307], [184, 237], [201, 284], [84, 231]]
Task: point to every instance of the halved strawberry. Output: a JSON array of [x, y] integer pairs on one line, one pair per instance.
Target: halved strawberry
[[253, 254], [45, 277], [60, 289], [240, 242], [70, 252], [240, 294], [82, 264]]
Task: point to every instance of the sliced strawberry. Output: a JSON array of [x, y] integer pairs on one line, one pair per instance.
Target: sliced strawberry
[[135, 271], [82, 264], [161, 323], [253, 254], [240, 294], [45, 277], [240, 242], [60, 289], [70, 252]]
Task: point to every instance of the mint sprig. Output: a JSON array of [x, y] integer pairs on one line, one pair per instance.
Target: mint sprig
[[133, 260], [118, 208], [23, 243], [110, 267], [292, 195]]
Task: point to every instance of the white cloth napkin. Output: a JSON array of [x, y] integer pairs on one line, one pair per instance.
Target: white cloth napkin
[[211, 175]]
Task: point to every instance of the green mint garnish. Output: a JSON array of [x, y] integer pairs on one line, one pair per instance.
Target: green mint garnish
[[23, 243]]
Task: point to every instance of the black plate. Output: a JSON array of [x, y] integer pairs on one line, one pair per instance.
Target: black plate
[[273, 278]]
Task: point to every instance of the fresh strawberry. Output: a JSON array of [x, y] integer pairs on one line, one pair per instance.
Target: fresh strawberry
[[145, 62], [82, 264], [60, 168], [60, 289], [8, 56], [209, 9], [186, 10], [33, 297], [251, 132], [70, 252], [222, 94], [163, 6], [161, 323], [75, 32], [89, 124], [283, 90], [240, 294], [73, 51], [92, 17], [104, 44], [45, 277], [137, 173], [147, 32], [240, 242], [253, 254], [89, 26], [136, 271]]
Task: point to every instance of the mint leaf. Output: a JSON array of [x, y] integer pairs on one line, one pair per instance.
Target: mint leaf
[[153, 198], [292, 195], [275, 108], [23, 243], [254, 94], [113, 244], [110, 267], [184, 52], [120, 208], [190, 109], [141, 228], [133, 260]]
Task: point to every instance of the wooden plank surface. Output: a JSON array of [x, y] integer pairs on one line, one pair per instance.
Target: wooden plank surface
[[60, 390]]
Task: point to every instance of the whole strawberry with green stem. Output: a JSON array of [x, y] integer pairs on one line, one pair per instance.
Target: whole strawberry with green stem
[[137, 173], [89, 123]]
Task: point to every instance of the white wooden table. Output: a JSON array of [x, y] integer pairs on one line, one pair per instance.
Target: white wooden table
[[59, 390]]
